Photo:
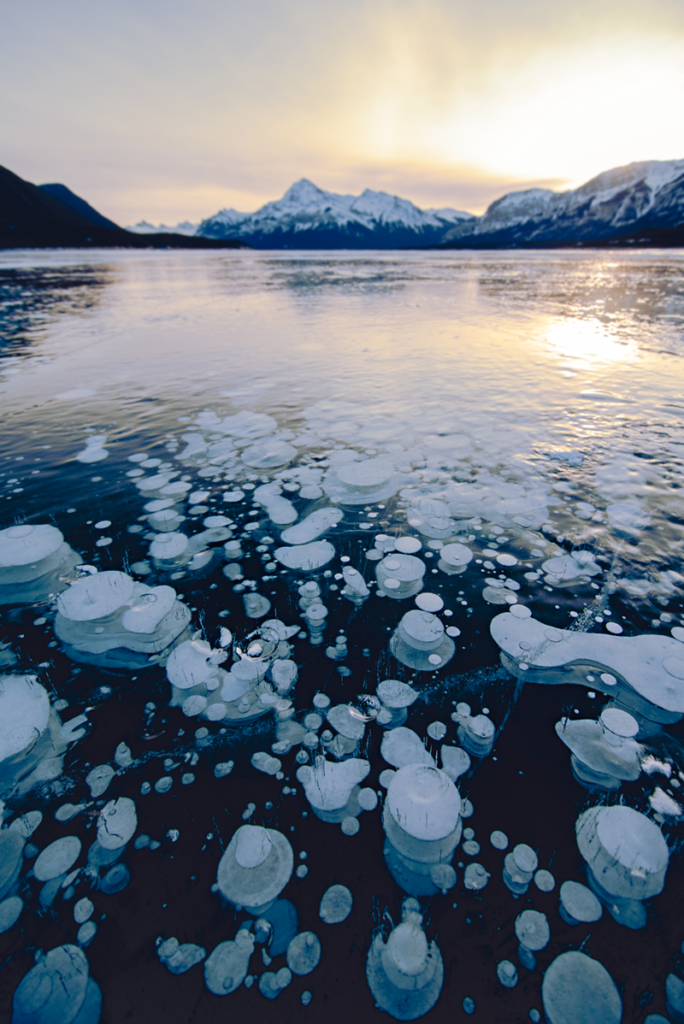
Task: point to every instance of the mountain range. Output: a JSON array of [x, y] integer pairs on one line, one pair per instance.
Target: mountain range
[[42, 216], [641, 204]]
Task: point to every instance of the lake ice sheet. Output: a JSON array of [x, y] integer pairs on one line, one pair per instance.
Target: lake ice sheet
[[258, 445]]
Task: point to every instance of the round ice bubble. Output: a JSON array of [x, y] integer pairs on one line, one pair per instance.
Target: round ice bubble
[[407, 545], [578, 988], [303, 953], [429, 602], [475, 877], [253, 847], [336, 904], [455, 554], [525, 857], [532, 930], [499, 840], [579, 904], [544, 880], [25, 544], [507, 973], [424, 802]]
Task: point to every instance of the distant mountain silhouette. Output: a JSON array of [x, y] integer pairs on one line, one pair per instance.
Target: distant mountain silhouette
[[78, 204], [33, 216]]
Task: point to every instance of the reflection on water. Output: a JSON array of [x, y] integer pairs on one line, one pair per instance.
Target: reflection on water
[[321, 540], [32, 297]]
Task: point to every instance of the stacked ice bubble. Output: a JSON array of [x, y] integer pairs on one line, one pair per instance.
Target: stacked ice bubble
[[421, 643], [32, 740], [35, 564], [405, 973], [604, 753], [627, 858], [422, 823], [255, 868], [58, 989], [108, 619]]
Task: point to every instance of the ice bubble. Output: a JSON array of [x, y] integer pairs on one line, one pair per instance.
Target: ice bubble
[[507, 973], [454, 557], [83, 910], [468, 1005], [255, 867], [223, 768], [329, 786], [385, 777], [664, 804], [10, 909], [532, 930], [403, 746], [32, 560], [400, 576], [179, 958], [565, 569], [544, 880], [407, 545], [263, 762], [674, 997], [350, 826], [313, 526], [26, 824], [57, 858], [651, 664], [405, 975], [419, 641], [117, 823], [57, 989], [116, 879], [436, 731], [24, 714], [475, 877], [256, 605], [272, 983], [625, 851], [429, 602], [578, 989], [477, 735], [423, 802], [123, 756], [336, 904], [164, 784], [455, 761], [395, 695], [86, 933], [226, 967], [578, 904], [306, 557], [368, 799], [305, 998], [96, 596], [304, 953], [98, 779], [342, 718]]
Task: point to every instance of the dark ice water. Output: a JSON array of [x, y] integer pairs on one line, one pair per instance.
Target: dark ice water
[[524, 387]]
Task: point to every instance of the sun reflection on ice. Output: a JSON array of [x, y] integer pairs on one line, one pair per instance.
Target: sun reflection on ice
[[587, 342]]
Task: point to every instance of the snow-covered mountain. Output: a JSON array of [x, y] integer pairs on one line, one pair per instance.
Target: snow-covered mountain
[[143, 227], [308, 217], [625, 201]]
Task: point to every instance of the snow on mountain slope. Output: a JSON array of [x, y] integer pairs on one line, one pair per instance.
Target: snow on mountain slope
[[644, 195], [309, 217], [143, 227]]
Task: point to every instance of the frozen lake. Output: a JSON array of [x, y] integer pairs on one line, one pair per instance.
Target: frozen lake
[[478, 437]]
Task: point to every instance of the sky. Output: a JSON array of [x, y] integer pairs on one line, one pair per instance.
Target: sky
[[172, 109]]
